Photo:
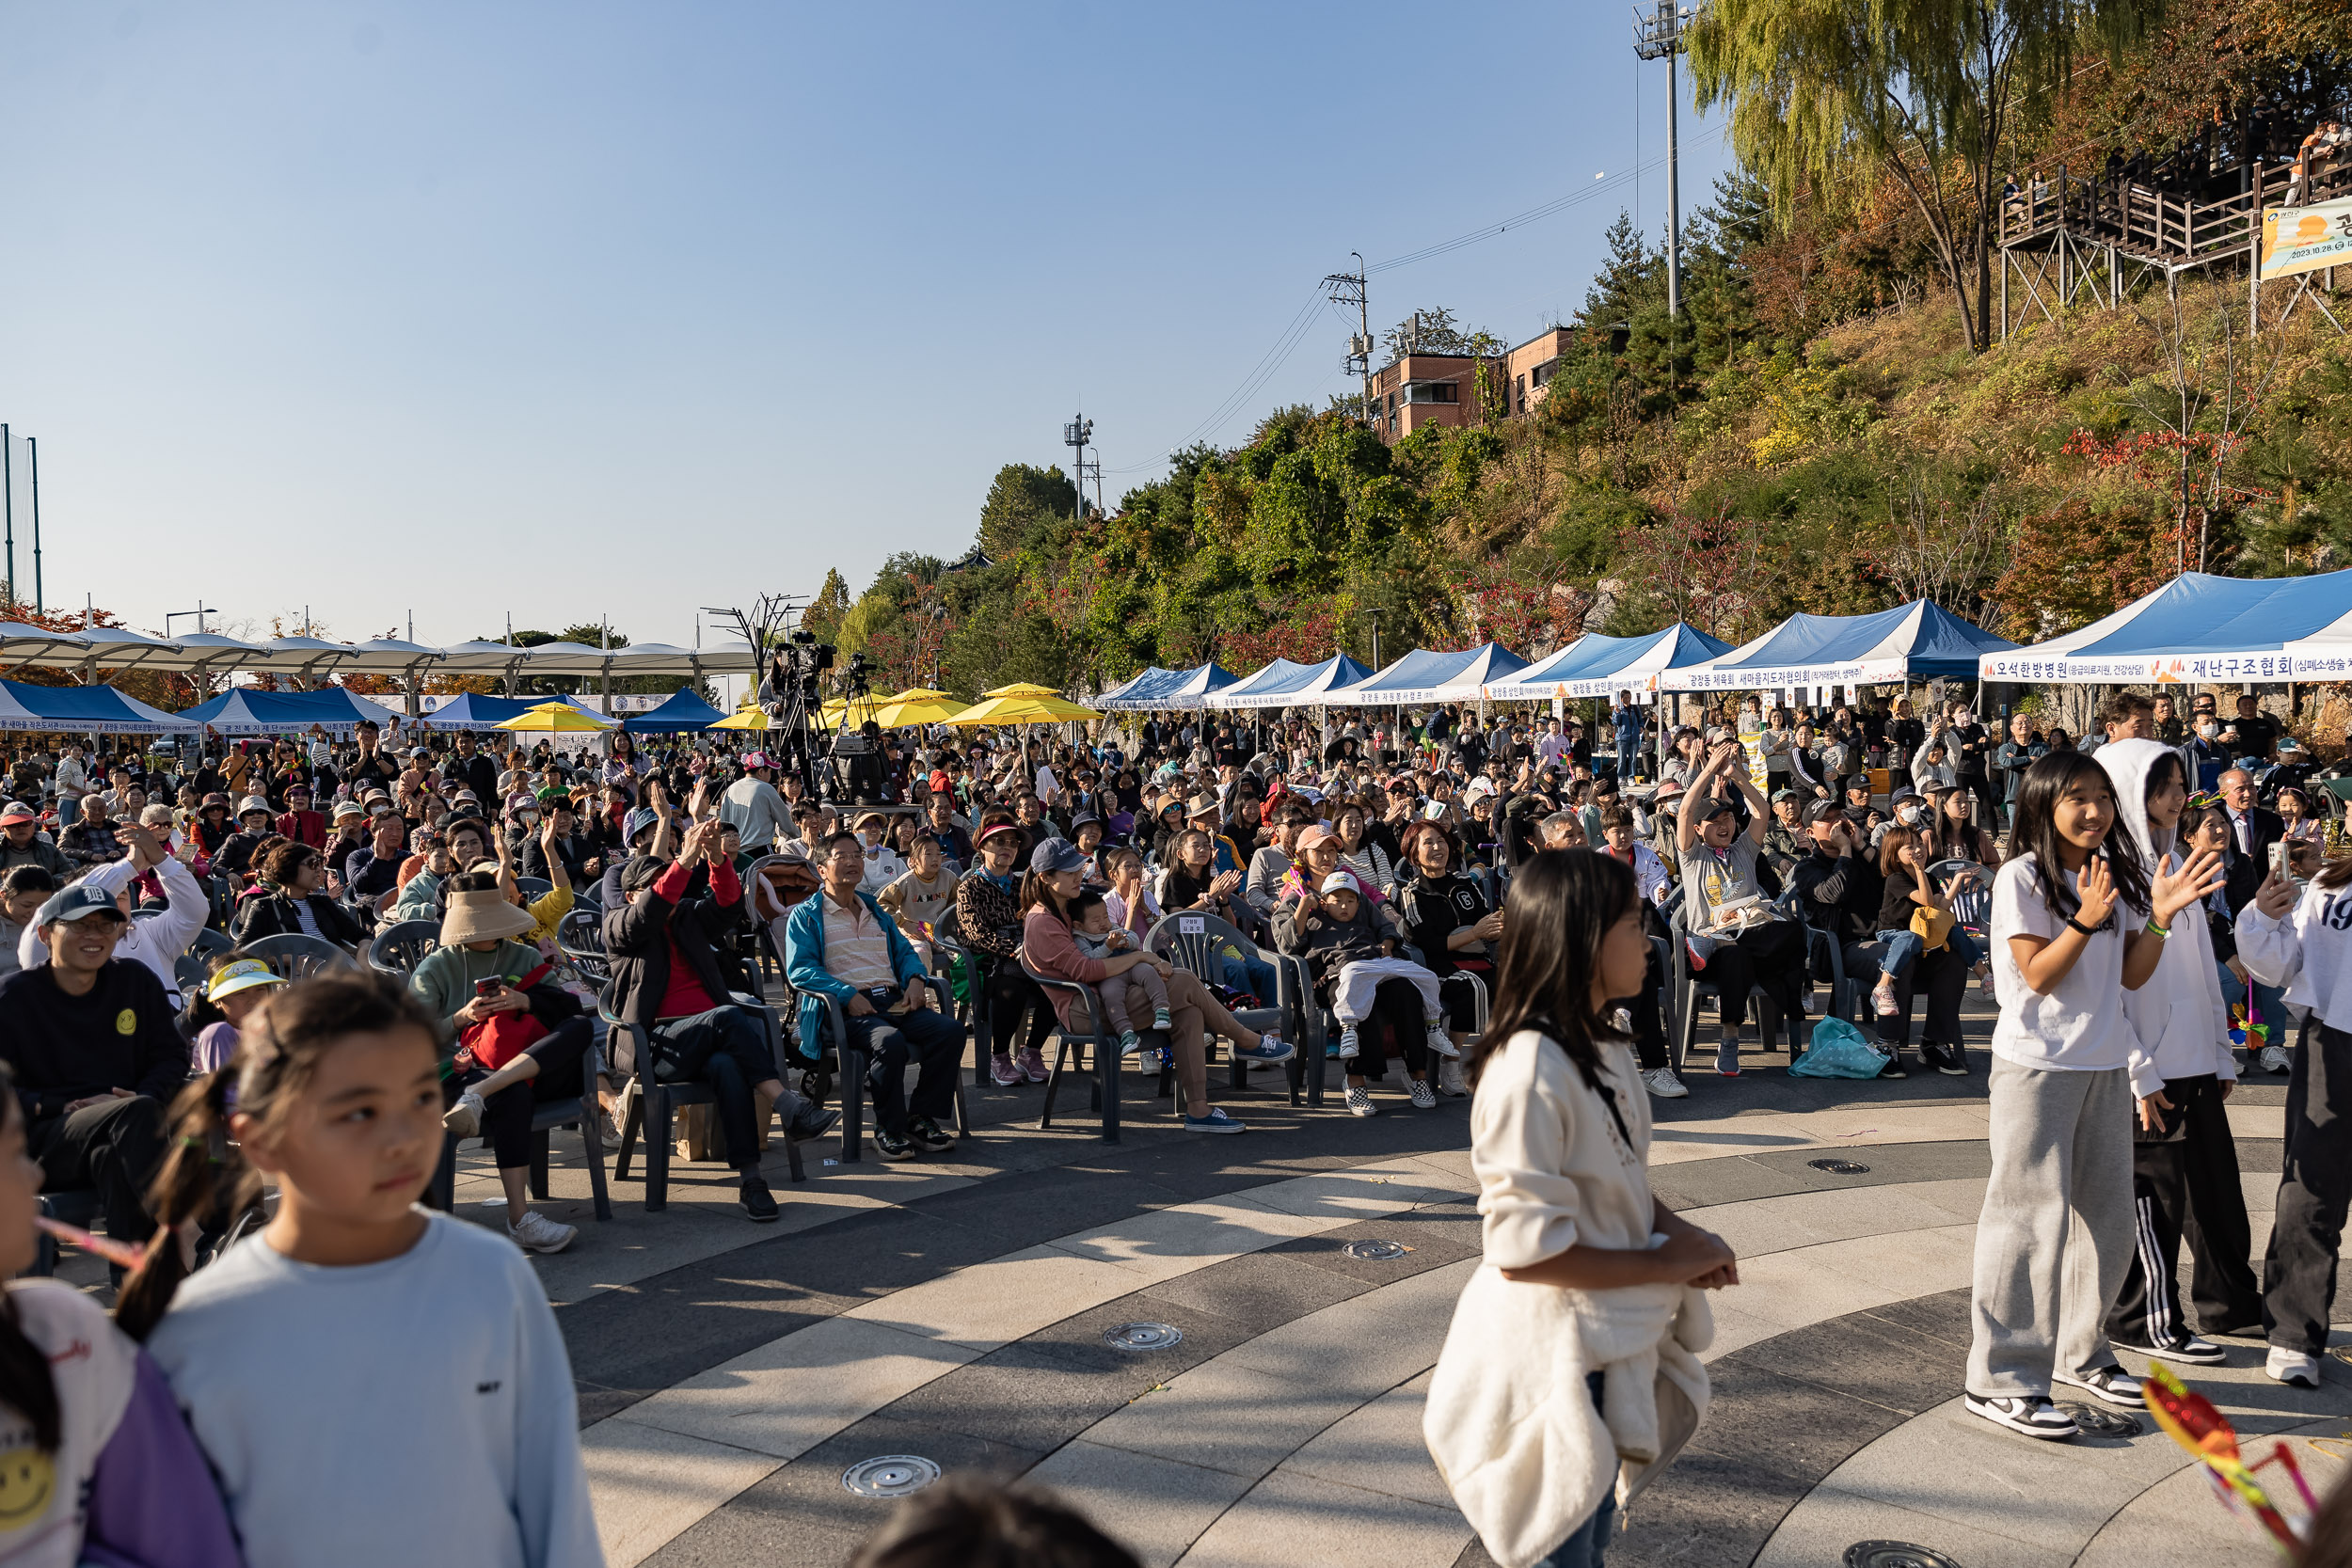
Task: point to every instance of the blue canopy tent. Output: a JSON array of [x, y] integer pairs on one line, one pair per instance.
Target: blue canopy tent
[[1426, 677], [1598, 666], [1913, 642], [682, 711], [2200, 627], [1270, 675], [247, 711], [84, 711], [1182, 691], [1152, 679], [471, 711], [1301, 685], [1142, 694]]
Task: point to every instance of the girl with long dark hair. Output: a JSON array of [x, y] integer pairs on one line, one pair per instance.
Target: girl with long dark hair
[[2076, 922], [1588, 1278]]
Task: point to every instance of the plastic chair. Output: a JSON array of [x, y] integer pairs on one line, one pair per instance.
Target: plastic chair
[[534, 887], [648, 1104], [580, 937], [1972, 907], [1196, 943], [209, 941], [298, 957], [398, 948], [1689, 987], [1101, 1041], [853, 1075], [77, 1206], [582, 1113]]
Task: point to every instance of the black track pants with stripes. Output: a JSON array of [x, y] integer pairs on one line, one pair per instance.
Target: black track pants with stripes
[[2187, 1185]]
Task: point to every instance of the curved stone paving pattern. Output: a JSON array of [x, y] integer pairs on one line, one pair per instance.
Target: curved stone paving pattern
[[729, 1373]]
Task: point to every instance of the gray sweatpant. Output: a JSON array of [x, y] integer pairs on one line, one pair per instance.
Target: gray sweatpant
[[2056, 1237]]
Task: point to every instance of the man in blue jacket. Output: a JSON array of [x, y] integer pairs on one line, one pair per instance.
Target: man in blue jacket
[[839, 944]]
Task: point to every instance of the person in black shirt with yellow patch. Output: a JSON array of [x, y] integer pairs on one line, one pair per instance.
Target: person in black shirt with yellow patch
[[96, 1058]]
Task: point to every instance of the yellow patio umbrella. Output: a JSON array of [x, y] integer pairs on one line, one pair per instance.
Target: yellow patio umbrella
[[916, 705], [1022, 688], [558, 718], [1048, 708], [751, 715]]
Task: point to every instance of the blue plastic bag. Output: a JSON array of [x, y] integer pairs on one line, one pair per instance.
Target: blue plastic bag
[[1839, 1051]]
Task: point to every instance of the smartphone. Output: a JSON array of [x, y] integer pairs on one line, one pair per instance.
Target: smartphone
[[489, 988], [2282, 862]]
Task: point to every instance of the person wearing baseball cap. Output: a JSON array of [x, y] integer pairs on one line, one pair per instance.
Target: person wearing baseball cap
[[1719, 867], [22, 844], [97, 1054], [752, 803]]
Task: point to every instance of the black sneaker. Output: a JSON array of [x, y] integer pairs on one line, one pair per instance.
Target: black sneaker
[[2110, 1385], [1894, 1068], [892, 1146], [925, 1133], [759, 1204], [1949, 1060], [2031, 1414], [2188, 1349], [814, 1121]]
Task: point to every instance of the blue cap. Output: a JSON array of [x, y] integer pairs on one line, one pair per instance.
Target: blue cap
[[639, 820], [1056, 855], [75, 902]]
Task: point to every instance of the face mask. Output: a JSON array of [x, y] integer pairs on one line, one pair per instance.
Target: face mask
[[2208, 730], [1907, 816]]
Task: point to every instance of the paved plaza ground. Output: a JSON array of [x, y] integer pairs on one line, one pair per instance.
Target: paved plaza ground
[[729, 1373]]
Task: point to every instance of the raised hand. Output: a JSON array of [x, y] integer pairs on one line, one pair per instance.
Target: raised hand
[[2177, 891], [2095, 888], [2275, 898]]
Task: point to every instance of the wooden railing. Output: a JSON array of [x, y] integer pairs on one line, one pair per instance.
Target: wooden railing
[[2156, 223]]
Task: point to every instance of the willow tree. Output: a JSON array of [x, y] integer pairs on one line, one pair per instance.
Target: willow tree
[[1837, 95]]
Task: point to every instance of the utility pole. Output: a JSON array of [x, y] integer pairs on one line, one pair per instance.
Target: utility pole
[[1347, 288], [8, 501], [1075, 434], [1376, 639], [1659, 35], [32, 450]]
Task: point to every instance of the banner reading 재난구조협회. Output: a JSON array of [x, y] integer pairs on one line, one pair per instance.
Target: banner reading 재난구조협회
[[2304, 239]]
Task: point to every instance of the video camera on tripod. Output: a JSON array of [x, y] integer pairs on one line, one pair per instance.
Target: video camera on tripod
[[839, 767]]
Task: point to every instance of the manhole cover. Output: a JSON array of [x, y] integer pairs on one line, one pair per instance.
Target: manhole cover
[[1846, 1167], [893, 1475], [1143, 1336], [2106, 1423], [1895, 1554], [1377, 1252]]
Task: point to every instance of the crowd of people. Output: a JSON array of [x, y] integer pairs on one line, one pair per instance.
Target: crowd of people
[[2118, 894]]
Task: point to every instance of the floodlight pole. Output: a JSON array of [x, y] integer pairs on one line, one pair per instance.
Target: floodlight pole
[[1656, 36]]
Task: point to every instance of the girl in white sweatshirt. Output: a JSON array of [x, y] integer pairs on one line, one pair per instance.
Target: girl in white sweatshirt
[[1570, 1375], [2302, 940], [2184, 1160]]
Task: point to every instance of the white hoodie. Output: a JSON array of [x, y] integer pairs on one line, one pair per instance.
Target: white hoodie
[[2180, 1025], [156, 941]]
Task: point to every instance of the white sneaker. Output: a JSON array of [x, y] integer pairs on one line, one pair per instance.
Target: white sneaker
[[1425, 1098], [1347, 1044], [2291, 1366], [1662, 1083], [2274, 1058], [1439, 1041], [1449, 1079], [464, 1120], [538, 1233], [1359, 1103], [1882, 997]]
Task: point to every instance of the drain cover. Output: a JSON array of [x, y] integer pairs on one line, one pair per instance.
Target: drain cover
[[1846, 1167], [1375, 1252], [2106, 1423], [893, 1475], [1895, 1554], [1143, 1336]]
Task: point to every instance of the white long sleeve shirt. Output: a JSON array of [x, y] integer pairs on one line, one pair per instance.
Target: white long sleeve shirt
[[157, 941], [414, 1411], [2310, 952], [2180, 1025]]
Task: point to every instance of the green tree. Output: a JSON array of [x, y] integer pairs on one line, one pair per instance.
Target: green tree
[[1020, 501], [824, 612], [1836, 97]]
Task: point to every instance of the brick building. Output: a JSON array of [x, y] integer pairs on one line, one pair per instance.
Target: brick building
[[1444, 389]]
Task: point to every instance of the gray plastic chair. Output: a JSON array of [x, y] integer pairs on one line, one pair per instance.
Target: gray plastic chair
[[298, 957], [398, 948], [648, 1104], [1195, 943], [852, 1069]]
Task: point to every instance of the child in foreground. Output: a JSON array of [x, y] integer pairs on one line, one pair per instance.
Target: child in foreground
[[1097, 938], [96, 1465], [375, 1384]]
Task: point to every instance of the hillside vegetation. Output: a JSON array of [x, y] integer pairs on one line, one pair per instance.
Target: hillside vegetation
[[1815, 432]]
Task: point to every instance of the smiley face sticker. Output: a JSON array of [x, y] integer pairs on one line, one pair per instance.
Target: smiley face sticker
[[28, 1482], [126, 1023]]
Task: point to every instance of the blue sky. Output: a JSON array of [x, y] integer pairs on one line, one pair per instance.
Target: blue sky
[[588, 309]]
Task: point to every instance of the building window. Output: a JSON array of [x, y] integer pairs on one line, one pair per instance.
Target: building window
[[1546, 371], [1432, 392], [1519, 392]]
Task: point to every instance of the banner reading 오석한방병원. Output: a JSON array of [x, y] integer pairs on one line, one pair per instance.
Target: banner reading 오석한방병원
[[2304, 239]]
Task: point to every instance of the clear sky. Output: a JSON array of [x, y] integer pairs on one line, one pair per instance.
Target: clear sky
[[585, 310]]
